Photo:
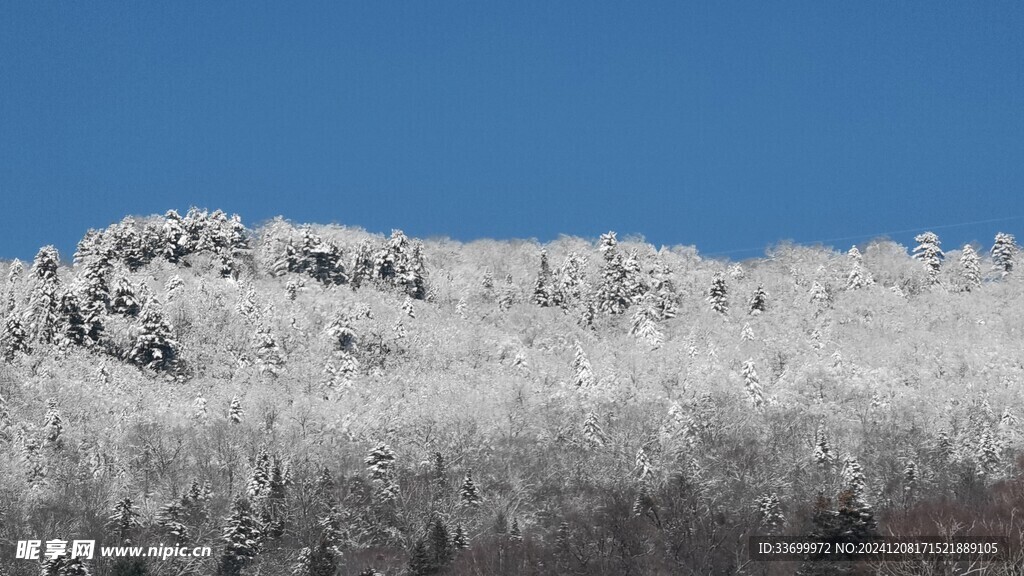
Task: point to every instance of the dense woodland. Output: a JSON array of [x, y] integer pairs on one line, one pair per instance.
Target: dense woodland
[[319, 400]]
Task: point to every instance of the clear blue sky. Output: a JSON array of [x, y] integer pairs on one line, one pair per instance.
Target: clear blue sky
[[729, 125]]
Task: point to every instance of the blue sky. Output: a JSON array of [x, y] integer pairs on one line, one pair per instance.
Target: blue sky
[[728, 125]]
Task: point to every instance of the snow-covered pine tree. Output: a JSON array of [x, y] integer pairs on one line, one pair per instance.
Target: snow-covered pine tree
[[583, 374], [617, 287], [758, 302], [543, 290], [199, 408], [460, 541], [856, 519], [593, 434], [664, 290], [14, 274], [753, 386], [154, 347], [718, 294], [988, 455], [858, 276], [820, 296], [267, 351], [644, 324], [469, 494], [75, 328], [408, 308], [125, 301], [570, 281], [770, 512], [970, 269], [746, 333], [174, 238], [1003, 252], [823, 454], [514, 533], [240, 537], [643, 467], [44, 299], [380, 463], [928, 251], [14, 338], [123, 520], [169, 518], [235, 411], [53, 426]]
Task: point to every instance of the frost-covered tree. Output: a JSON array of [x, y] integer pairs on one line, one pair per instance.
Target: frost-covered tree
[[53, 426], [460, 540], [858, 276], [44, 299], [543, 290], [583, 374], [820, 295], [663, 289], [75, 326], [970, 268], [758, 302], [619, 284], [14, 274], [469, 494], [125, 301], [1003, 252], [240, 538], [856, 519], [752, 385], [718, 294], [399, 263], [235, 411], [267, 351], [770, 513], [570, 281], [380, 463], [642, 464], [928, 251], [154, 346], [593, 434], [987, 454], [823, 454], [514, 532], [14, 339], [644, 324], [124, 519]]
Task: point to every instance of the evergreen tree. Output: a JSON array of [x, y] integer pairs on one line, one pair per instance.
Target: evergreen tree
[[593, 435], [441, 549], [154, 346], [44, 298], [645, 322], [14, 338], [420, 563], [752, 385], [469, 494], [514, 533], [820, 296], [583, 374], [664, 291], [53, 426], [235, 411], [1003, 252], [380, 463], [718, 294], [543, 291], [616, 291], [858, 277], [124, 519], [268, 352], [856, 520], [987, 455], [570, 281], [929, 252], [770, 512], [174, 238], [125, 301], [460, 541], [643, 464], [240, 537], [169, 518], [75, 328], [970, 268], [759, 301], [14, 273], [823, 454]]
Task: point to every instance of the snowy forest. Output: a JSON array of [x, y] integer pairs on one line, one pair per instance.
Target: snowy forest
[[317, 400]]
